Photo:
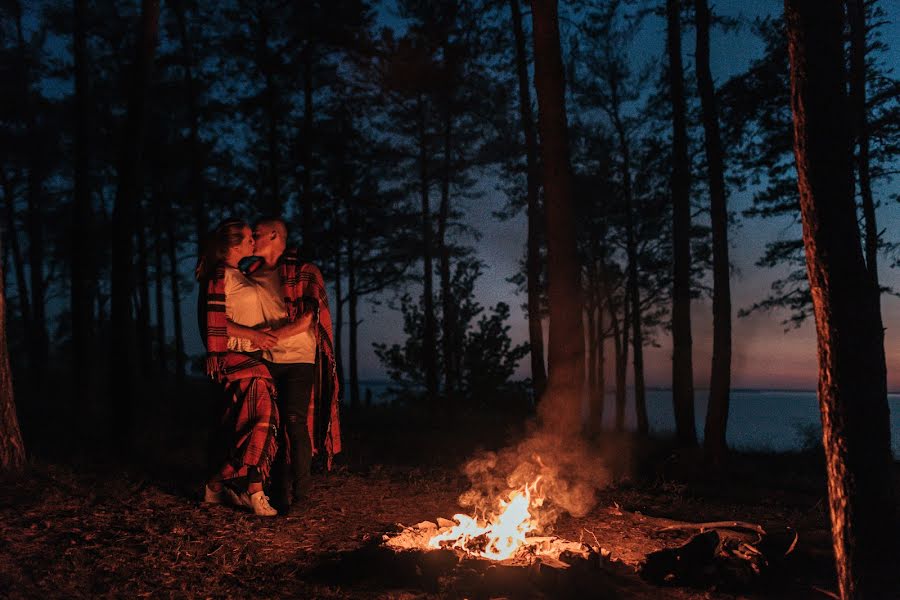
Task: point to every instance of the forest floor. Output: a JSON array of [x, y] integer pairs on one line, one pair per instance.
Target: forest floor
[[80, 527]]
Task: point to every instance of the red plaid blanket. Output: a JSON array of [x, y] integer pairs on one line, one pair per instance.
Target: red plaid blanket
[[304, 282], [250, 418]]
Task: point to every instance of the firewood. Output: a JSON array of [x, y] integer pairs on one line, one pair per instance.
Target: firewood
[[716, 525]]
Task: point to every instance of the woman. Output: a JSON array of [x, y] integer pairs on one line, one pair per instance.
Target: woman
[[231, 321]]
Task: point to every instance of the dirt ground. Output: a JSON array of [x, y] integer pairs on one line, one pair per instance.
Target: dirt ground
[[75, 528]]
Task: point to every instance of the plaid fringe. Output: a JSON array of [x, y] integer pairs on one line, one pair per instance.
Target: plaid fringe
[[302, 284]]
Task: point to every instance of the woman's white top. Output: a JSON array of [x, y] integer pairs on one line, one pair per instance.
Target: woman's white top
[[242, 306]]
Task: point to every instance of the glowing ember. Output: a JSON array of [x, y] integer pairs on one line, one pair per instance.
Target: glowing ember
[[500, 537]]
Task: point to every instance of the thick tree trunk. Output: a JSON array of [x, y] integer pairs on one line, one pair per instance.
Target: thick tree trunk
[[174, 288], [682, 367], [122, 349], [561, 405], [533, 252], [195, 176], [12, 448], [158, 284], [714, 443], [429, 347], [83, 268], [852, 375], [856, 15], [34, 224]]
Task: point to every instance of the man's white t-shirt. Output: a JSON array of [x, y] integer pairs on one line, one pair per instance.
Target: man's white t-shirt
[[299, 348], [242, 306]]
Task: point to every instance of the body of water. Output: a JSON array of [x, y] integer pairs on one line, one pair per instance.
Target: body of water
[[757, 419]]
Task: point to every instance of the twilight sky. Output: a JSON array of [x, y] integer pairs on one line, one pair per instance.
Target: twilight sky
[[764, 356]]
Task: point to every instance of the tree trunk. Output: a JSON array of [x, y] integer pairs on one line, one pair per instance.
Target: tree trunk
[[34, 224], [338, 295], [856, 15], [307, 213], [145, 339], [352, 301], [682, 368], [852, 375], [714, 443], [83, 269], [429, 347], [620, 337], [590, 356], [195, 176], [272, 204], [18, 259], [160, 299], [12, 448], [122, 350], [633, 294], [448, 322], [533, 253], [172, 251], [561, 406]]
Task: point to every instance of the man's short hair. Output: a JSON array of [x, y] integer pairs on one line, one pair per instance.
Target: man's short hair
[[276, 222]]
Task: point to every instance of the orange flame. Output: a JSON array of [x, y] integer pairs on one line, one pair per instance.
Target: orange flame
[[503, 535]]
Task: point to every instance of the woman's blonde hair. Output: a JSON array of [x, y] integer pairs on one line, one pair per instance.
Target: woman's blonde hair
[[215, 246]]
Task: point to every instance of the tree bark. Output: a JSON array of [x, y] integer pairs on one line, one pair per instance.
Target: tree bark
[[633, 294], [590, 319], [856, 15], [34, 224], [682, 367], [620, 337], [533, 252], [338, 295], [561, 404], [448, 321], [307, 213], [18, 259], [352, 302], [195, 176], [852, 386], [159, 285], [83, 269], [714, 442], [12, 448], [122, 349], [174, 288], [429, 347], [145, 339], [264, 59]]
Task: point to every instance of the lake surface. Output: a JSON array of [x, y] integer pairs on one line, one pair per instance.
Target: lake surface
[[757, 419]]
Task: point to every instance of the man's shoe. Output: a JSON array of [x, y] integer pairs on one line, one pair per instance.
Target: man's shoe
[[259, 502]]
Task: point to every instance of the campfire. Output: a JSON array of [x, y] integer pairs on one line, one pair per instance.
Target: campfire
[[507, 535]]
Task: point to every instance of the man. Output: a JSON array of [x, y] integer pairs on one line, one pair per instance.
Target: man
[[295, 307]]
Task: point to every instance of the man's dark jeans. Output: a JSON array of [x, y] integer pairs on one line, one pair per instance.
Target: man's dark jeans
[[294, 386]]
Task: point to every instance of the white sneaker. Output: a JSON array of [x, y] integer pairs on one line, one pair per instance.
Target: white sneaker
[[259, 502]]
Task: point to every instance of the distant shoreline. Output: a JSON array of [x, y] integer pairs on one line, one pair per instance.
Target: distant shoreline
[[386, 382]]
